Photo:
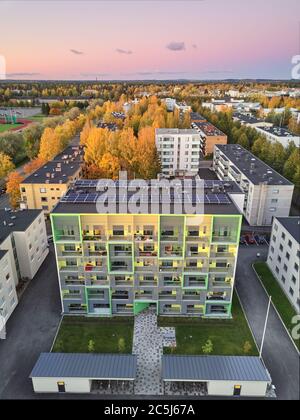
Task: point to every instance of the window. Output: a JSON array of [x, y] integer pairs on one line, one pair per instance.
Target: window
[[275, 227], [281, 247], [296, 267], [45, 208], [272, 249], [285, 268], [43, 190], [294, 279], [283, 279], [274, 201], [291, 291], [275, 191], [44, 199], [290, 244], [279, 259], [23, 189], [287, 255], [277, 270], [283, 235]]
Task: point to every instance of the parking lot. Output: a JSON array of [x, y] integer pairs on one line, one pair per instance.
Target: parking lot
[[252, 238]]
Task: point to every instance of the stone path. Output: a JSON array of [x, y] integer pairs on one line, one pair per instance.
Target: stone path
[[148, 343]]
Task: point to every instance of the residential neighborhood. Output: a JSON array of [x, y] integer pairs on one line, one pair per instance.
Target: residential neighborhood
[[149, 220]]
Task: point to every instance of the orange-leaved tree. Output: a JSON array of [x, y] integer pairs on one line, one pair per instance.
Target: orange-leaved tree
[[13, 188]]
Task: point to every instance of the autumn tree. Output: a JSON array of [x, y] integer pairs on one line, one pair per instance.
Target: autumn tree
[[6, 165], [13, 188], [32, 166], [148, 165], [50, 145], [32, 136]]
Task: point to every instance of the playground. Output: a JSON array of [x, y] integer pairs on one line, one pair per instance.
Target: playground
[[13, 119]]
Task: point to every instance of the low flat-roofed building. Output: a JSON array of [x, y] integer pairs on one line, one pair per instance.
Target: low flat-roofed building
[[83, 373], [267, 193], [23, 249], [279, 134], [210, 136], [250, 120], [43, 188], [196, 117], [219, 375], [284, 256]]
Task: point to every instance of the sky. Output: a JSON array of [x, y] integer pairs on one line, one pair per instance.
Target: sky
[[155, 39]]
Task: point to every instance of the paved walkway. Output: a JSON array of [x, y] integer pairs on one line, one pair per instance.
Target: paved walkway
[[148, 343], [279, 354]]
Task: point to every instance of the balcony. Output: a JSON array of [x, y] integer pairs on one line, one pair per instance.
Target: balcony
[[195, 312], [170, 269], [167, 296], [224, 239], [171, 311], [69, 253], [196, 238], [90, 237], [171, 252], [144, 296], [191, 296], [145, 238], [70, 268], [116, 267], [149, 254], [169, 238], [195, 269], [120, 237], [222, 255], [95, 268], [95, 253], [149, 268]]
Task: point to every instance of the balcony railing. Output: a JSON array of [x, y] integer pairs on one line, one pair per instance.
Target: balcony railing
[[167, 297], [93, 238], [222, 255], [192, 238], [145, 238], [195, 284], [120, 237], [191, 297], [224, 239], [69, 253], [193, 269], [149, 254], [170, 269], [144, 296], [146, 268]]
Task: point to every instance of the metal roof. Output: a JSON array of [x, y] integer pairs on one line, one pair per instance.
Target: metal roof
[[81, 365], [213, 368]]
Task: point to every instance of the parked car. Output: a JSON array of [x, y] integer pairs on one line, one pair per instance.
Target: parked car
[[50, 239], [243, 240], [260, 239], [250, 239]]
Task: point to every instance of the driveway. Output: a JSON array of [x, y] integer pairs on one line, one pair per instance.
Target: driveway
[[30, 331], [279, 354]]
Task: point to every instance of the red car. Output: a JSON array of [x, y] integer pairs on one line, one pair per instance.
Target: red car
[[250, 239]]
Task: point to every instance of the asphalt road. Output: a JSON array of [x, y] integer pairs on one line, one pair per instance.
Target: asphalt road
[[30, 331], [4, 201], [279, 354]]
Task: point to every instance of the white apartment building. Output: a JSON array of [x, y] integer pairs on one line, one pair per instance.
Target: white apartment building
[[279, 134], [178, 149], [170, 103], [267, 193], [284, 256], [23, 249]]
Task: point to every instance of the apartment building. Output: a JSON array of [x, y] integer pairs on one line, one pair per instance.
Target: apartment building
[[279, 134], [23, 249], [178, 149], [195, 117], [267, 193], [119, 262], [43, 189], [226, 104], [250, 120], [210, 136], [284, 256]]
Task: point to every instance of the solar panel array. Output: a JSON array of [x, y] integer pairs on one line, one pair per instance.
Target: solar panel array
[[147, 197]]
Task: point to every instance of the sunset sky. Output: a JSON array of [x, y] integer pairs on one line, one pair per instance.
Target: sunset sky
[[162, 39]]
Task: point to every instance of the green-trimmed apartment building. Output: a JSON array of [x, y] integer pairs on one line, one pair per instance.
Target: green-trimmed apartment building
[[120, 263]]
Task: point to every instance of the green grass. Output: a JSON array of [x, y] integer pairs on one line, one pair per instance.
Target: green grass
[[38, 118], [281, 302], [7, 127], [75, 333], [228, 336]]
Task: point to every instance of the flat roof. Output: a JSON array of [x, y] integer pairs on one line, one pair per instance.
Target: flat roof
[[247, 118], [292, 225], [253, 168], [278, 131], [196, 116], [60, 169], [163, 131], [16, 221], [85, 365], [208, 128], [214, 368], [84, 197]]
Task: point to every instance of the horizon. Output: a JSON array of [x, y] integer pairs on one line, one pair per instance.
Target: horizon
[[195, 40]]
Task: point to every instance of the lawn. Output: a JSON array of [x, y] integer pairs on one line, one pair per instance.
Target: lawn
[[76, 332], [6, 127], [228, 336], [37, 118], [283, 305]]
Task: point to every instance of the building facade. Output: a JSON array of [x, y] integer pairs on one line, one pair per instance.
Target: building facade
[[178, 149], [23, 249], [278, 134], [44, 188], [284, 256], [120, 263], [267, 193]]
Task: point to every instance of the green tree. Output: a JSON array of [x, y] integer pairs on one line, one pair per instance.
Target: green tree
[[32, 137], [243, 141], [208, 347]]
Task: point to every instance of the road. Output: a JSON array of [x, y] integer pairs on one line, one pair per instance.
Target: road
[[279, 354], [30, 331]]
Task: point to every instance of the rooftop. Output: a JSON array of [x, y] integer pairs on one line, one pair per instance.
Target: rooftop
[[196, 117], [164, 131], [16, 221], [208, 129], [292, 225], [81, 365], [60, 169], [214, 368], [86, 197], [109, 126], [249, 119], [253, 168], [278, 131]]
